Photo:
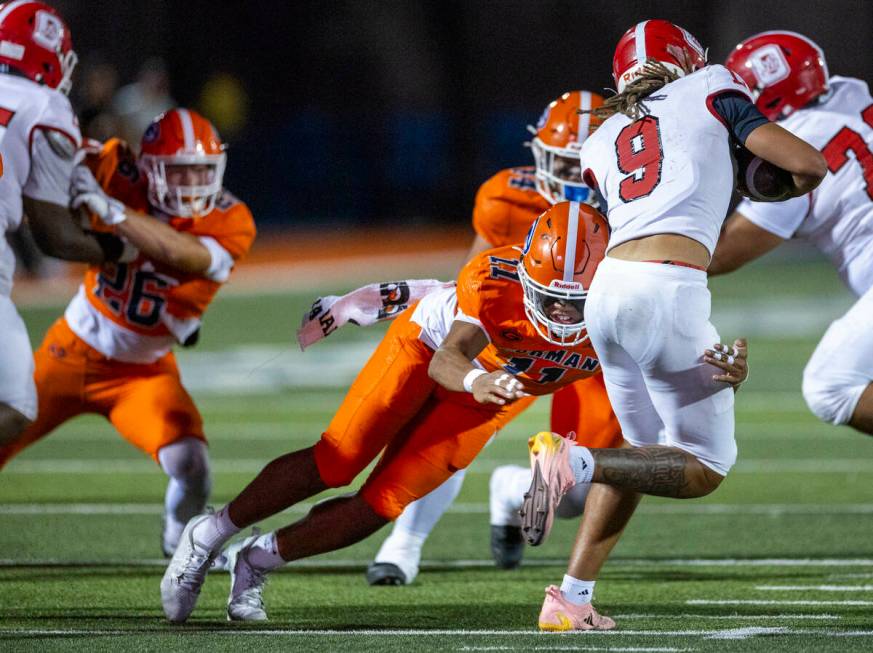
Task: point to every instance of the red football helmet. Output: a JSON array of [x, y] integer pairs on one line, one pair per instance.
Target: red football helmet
[[35, 41], [785, 71], [558, 137], [660, 40], [183, 158], [563, 249]]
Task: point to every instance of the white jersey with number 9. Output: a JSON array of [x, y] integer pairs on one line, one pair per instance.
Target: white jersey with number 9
[[671, 170]]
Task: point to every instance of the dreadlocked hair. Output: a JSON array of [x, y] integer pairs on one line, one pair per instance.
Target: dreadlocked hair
[[653, 76]]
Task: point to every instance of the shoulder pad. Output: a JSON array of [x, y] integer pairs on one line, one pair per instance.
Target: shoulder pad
[[60, 144]]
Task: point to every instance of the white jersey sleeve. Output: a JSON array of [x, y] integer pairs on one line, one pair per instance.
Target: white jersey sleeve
[[721, 80], [53, 140], [779, 218]]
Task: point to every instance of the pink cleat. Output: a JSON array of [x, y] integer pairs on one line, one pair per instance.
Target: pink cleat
[[559, 615], [552, 479]]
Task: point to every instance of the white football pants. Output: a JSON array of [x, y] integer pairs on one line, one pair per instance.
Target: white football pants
[[17, 388], [841, 366], [649, 323]]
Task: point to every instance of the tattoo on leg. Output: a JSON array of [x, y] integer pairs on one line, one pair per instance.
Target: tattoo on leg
[[656, 470]]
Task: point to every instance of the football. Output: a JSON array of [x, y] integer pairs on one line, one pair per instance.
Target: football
[[760, 180]]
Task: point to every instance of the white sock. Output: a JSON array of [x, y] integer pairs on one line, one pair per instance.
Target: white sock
[[215, 530], [264, 553], [186, 462], [403, 546], [582, 463], [577, 592], [421, 516], [506, 493]]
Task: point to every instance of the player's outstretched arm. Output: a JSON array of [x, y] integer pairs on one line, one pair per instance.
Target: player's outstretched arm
[[782, 148], [57, 234], [741, 241], [158, 241], [452, 368]]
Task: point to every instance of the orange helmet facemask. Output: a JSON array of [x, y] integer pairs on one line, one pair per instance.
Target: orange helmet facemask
[[183, 159], [563, 249], [558, 137]]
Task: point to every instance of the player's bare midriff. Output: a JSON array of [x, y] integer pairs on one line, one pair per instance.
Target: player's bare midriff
[[667, 247]]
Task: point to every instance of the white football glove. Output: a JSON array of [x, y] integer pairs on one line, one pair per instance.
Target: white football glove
[[84, 190]]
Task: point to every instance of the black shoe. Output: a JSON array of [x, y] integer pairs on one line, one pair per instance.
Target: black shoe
[[507, 546], [385, 573]]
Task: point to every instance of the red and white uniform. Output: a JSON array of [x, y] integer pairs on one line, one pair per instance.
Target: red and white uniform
[[668, 172], [837, 218], [31, 117]]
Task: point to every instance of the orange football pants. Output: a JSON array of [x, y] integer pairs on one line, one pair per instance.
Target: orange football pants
[[425, 432], [584, 407], [146, 403]]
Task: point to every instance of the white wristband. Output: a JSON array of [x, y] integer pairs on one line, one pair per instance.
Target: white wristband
[[471, 376]]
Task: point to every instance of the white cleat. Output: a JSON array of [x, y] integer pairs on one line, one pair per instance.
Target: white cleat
[[245, 602], [185, 574]]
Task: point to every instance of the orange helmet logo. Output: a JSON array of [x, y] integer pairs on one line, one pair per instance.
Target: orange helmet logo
[[563, 249], [558, 137]]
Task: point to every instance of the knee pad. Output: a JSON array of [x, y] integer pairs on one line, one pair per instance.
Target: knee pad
[[186, 461], [830, 398]]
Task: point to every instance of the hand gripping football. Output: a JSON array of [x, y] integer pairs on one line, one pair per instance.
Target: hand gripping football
[[760, 180]]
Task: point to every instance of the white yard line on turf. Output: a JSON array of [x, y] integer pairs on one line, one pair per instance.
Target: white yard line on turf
[[437, 565], [731, 633], [732, 617], [772, 602], [472, 508], [486, 466], [815, 588], [653, 649]]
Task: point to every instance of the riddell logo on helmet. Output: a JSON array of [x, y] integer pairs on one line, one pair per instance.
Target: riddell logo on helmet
[[565, 285], [769, 65]]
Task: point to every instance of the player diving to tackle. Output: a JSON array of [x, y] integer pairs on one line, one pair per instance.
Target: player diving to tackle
[[788, 75], [111, 352], [505, 207], [450, 372], [662, 161], [39, 137]]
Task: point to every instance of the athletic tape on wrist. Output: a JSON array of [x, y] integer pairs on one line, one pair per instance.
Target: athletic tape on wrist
[[471, 376]]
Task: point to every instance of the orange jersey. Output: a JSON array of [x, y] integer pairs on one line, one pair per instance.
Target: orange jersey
[[490, 295], [145, 298], [506, 206]]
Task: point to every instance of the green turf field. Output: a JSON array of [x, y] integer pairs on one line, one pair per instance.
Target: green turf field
[[779, 558]]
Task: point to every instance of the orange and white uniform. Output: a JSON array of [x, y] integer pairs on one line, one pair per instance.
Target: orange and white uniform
[[506, 206], [427, 432], [111, 352]]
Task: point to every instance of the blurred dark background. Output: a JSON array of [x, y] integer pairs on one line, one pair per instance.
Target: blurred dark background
[[363, 112]]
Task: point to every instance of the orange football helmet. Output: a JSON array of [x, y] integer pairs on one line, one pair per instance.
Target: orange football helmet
[[558, 137], [183, 159], [563, 249]]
